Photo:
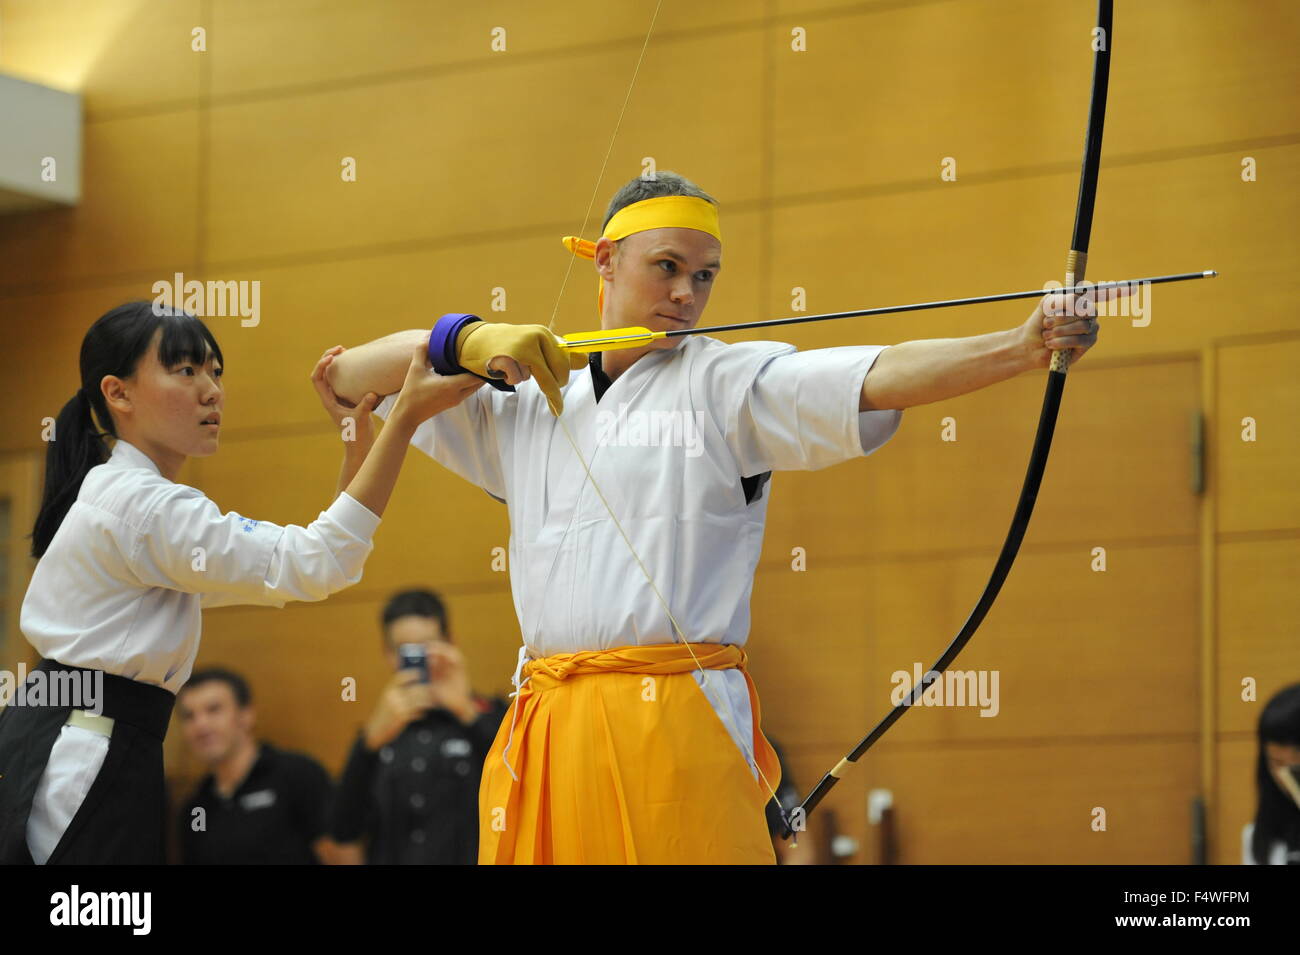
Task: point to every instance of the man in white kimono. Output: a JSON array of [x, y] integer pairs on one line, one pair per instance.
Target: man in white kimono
[[648, 538]]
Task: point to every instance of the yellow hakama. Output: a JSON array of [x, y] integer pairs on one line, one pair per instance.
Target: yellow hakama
[[621, 758]]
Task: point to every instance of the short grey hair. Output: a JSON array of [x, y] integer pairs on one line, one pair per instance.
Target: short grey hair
[[663, 183]]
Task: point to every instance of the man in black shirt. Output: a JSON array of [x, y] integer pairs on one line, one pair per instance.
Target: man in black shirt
[[410, 787], [259, 805]]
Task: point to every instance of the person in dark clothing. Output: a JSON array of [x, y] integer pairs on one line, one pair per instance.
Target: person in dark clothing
[[259, 805], [1273, 837], [409, 791]]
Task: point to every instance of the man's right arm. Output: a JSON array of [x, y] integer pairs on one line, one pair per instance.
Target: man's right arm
[[379, 366]]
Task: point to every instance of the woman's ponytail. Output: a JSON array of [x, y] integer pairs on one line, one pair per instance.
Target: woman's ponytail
[[74, 448], [112, 346]]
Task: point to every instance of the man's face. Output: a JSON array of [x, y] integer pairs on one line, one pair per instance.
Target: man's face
[[412, 629], [213, 721], [659, 279]]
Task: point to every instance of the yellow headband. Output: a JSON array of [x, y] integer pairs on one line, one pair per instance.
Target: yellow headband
[[662, 212]]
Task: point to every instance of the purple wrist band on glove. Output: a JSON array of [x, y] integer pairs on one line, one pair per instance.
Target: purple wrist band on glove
[[442, 348]]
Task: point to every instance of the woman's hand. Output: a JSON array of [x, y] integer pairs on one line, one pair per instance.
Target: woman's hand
[[426, 393], [1065, 321], [341, 413]]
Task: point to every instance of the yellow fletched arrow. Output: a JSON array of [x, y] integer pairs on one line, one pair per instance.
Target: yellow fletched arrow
[[608, 339]]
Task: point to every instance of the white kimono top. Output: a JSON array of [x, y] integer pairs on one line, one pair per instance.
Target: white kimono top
[[668, 443], [121, 585]]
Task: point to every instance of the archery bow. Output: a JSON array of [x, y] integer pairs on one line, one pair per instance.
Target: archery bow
[[1076, 261], [1075, 264]]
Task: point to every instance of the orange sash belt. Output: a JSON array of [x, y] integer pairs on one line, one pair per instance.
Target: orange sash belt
[[656, 658]]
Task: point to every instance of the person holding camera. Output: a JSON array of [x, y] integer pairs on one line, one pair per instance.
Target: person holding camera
[[409, 791]]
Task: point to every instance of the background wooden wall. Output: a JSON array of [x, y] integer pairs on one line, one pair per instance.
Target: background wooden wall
[[1119, 690]]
